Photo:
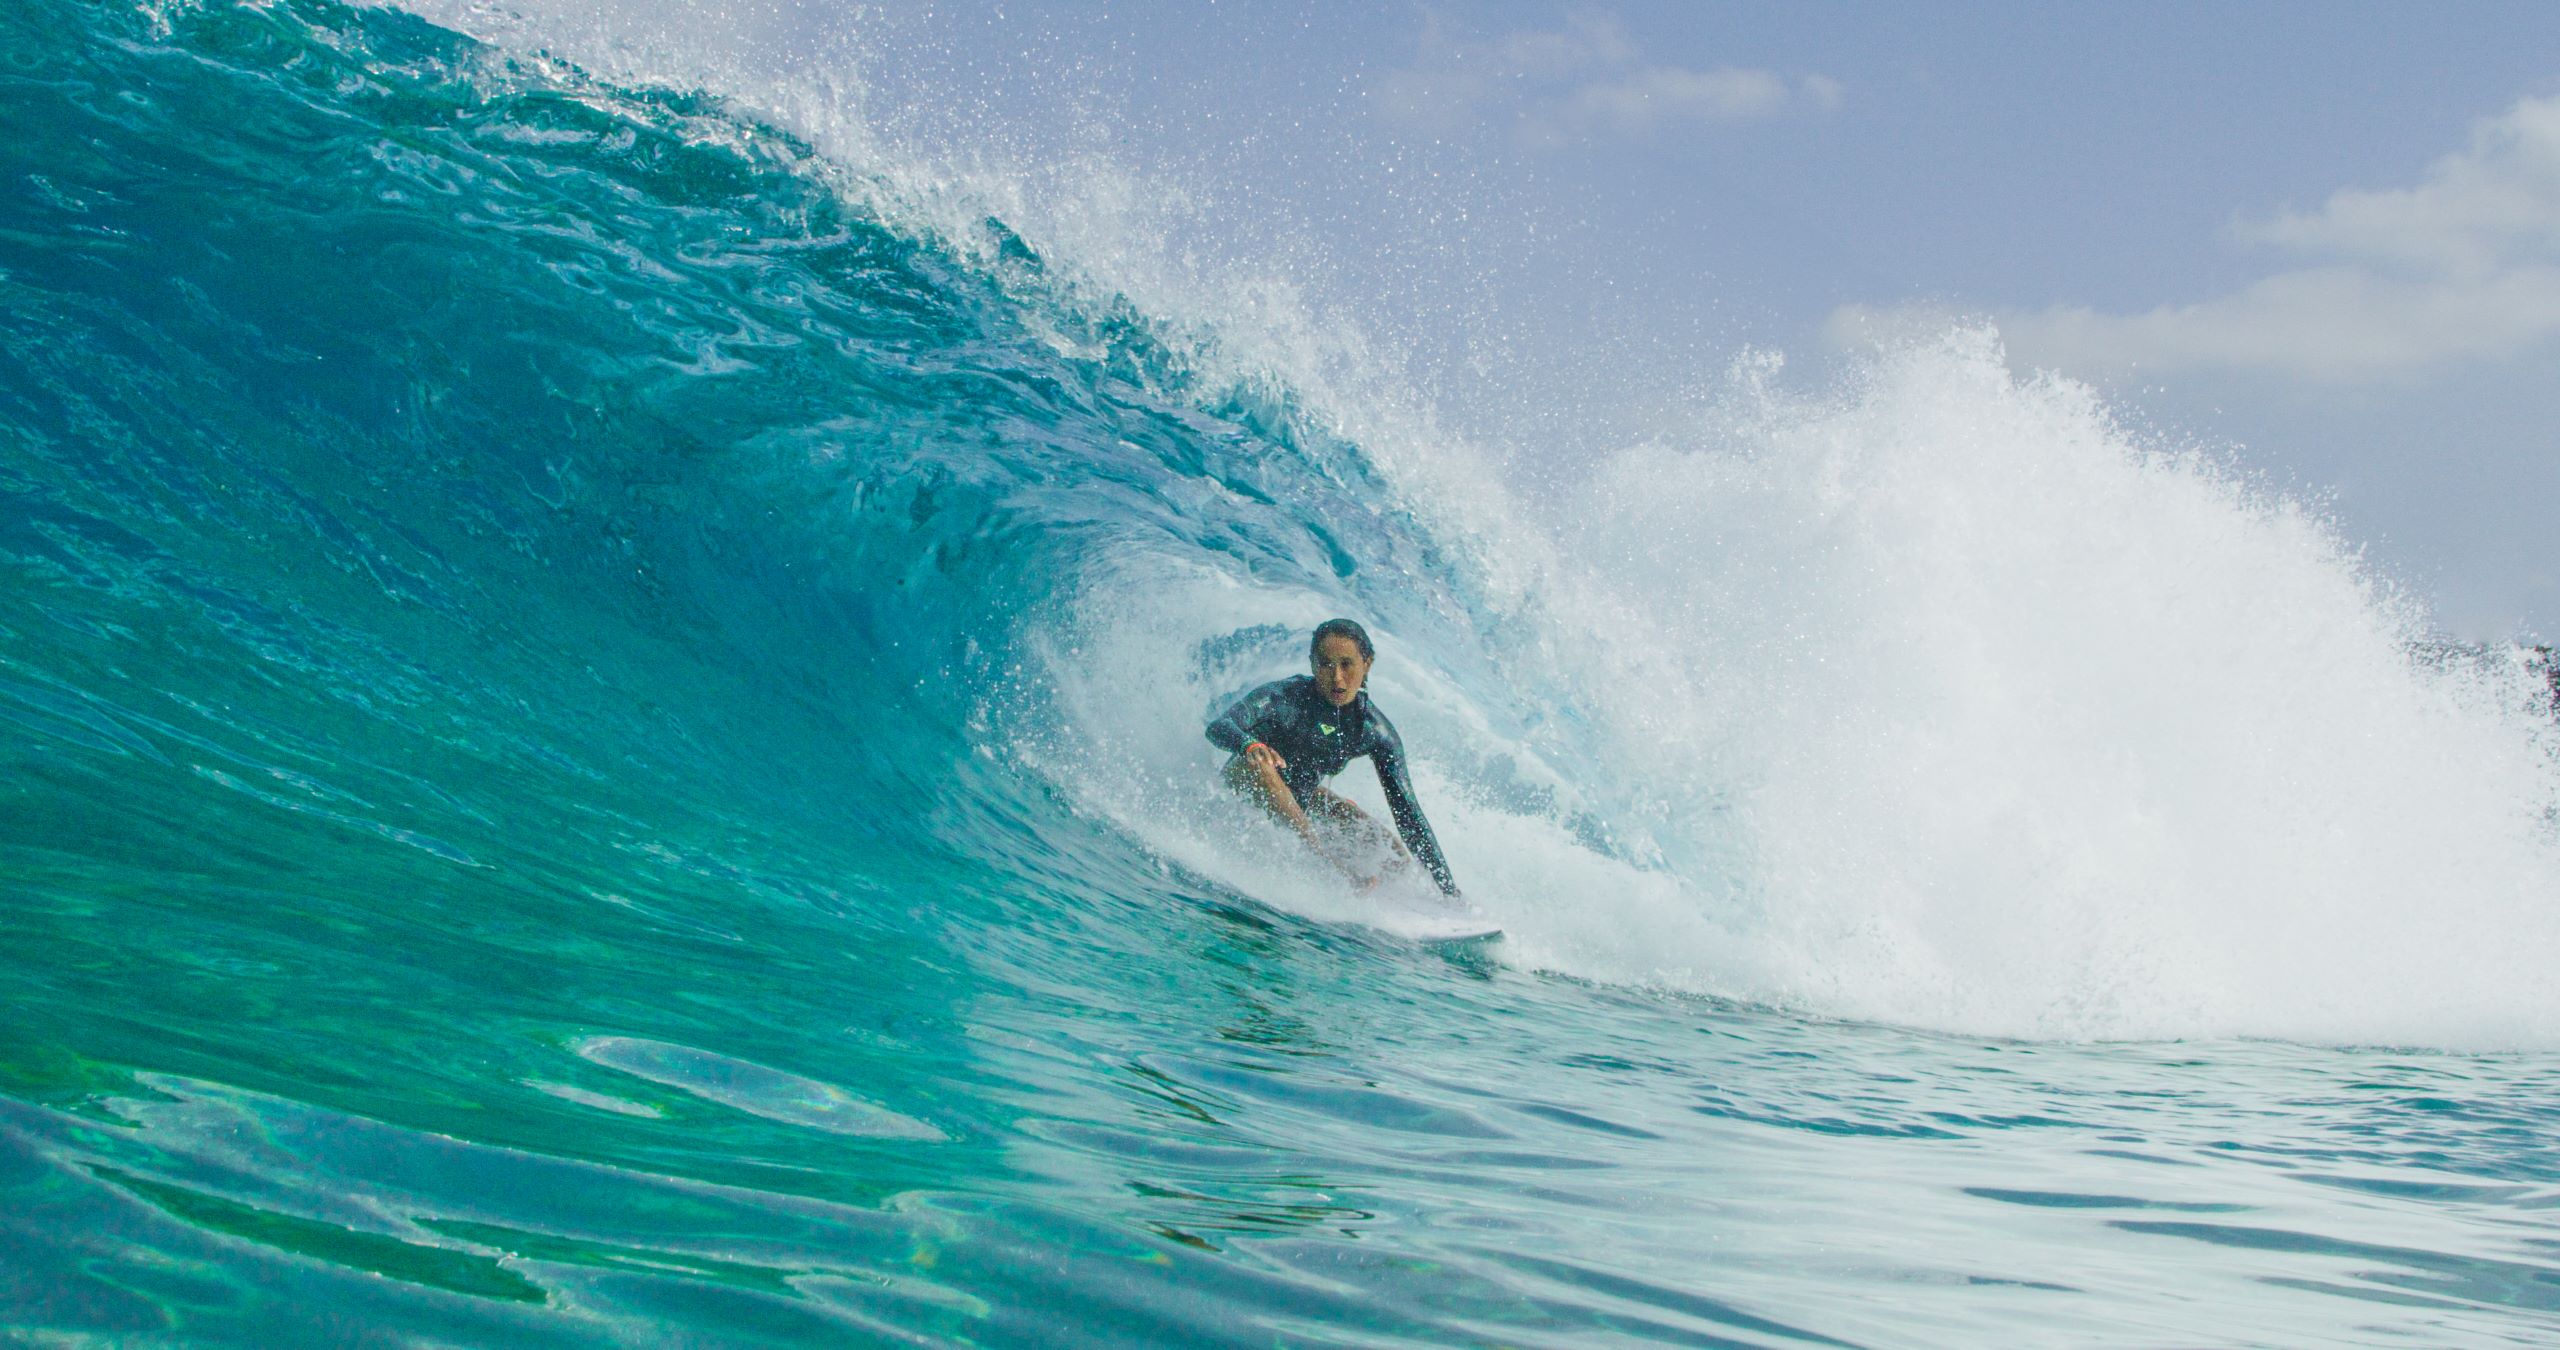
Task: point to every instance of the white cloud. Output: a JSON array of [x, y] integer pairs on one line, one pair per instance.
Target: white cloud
[[1587, 39], [2338, 323], [1636, 103], [2464, 266], [2490, 206], [1583, 80]]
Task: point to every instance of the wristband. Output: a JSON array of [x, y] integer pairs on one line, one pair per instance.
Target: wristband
[[1250, 744]]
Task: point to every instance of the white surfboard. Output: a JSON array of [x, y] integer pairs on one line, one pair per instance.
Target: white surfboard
[[1437, 930]]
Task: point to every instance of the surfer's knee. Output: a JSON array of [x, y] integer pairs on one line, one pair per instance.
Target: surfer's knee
[[1335, 807], [1260, 783]]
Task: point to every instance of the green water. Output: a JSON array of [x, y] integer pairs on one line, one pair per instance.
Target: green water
[[529, 814]]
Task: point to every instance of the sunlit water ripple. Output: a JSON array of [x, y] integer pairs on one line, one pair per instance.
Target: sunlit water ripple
[[552, 793]]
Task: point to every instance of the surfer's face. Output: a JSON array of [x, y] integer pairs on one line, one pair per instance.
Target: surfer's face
[[1339, 670]]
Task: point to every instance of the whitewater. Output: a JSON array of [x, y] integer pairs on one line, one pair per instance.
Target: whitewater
[[601, 676]]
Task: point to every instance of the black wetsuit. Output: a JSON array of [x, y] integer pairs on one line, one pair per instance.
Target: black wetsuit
[[1316, 739]]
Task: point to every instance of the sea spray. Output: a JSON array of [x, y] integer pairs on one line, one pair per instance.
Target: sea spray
[[2013, 722], [602, 748], [1931, 696]]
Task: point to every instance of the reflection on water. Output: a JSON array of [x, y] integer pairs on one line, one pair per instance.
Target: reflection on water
[[1457, 1158], [504, 590]]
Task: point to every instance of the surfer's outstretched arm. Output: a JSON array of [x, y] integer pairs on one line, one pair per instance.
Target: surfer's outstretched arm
[[1387, 752]]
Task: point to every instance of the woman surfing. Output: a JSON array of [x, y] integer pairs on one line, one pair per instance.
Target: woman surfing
[[1289, 735]]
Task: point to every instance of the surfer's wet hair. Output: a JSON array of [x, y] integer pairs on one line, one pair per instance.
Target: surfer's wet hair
[[1342, 628]]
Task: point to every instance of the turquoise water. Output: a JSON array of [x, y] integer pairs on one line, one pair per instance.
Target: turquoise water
[[600, 748]]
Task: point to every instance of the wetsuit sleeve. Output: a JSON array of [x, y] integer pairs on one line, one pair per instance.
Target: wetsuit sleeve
[[1386, 750], [1233, 729]]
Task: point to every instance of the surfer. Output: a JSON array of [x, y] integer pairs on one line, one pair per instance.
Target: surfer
[[1289, 735]]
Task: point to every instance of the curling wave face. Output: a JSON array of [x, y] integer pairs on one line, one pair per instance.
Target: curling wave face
[[605, 722]]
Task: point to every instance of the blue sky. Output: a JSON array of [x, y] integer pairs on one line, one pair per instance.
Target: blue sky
[[2324, 235]]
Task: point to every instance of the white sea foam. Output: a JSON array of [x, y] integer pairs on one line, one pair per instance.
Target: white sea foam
[[2010, 724], [1933, 697], [1937, 700]]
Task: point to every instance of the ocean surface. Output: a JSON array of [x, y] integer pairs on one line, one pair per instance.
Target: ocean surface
[[599, 745]]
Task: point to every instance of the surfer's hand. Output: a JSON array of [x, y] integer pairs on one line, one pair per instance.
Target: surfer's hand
[[1363, 884], [1261, 756]]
